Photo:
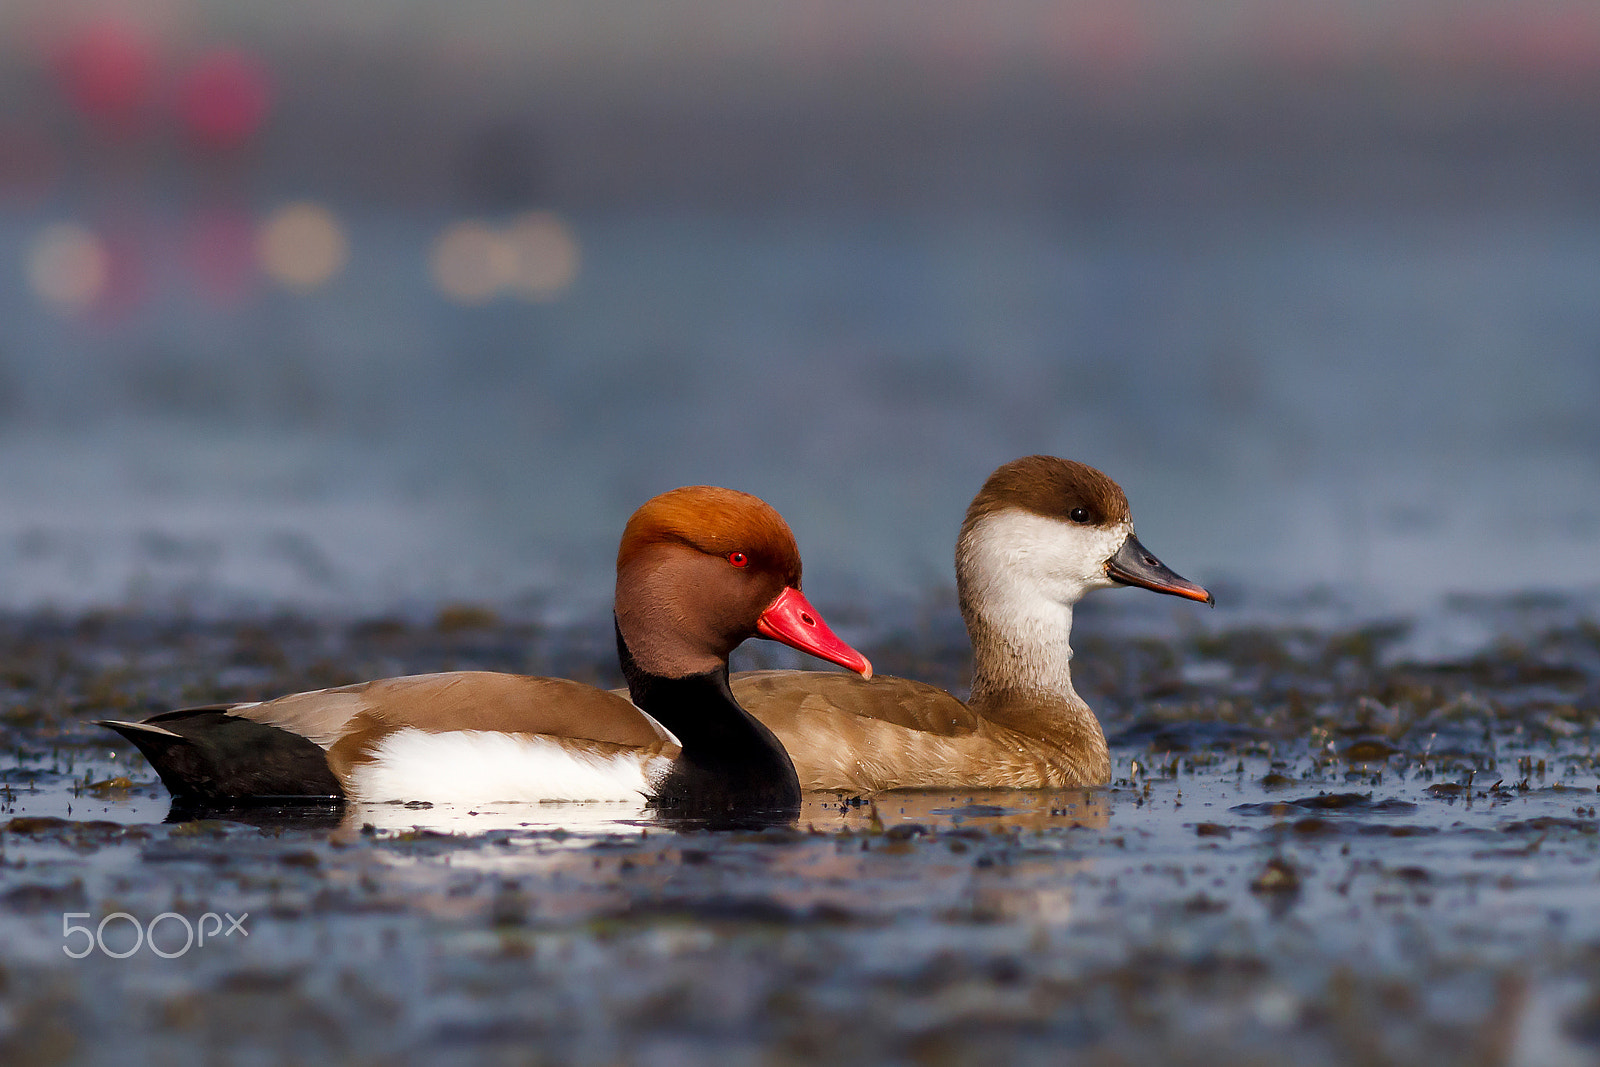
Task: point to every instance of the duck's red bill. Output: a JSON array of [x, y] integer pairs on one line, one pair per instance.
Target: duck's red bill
[[792, 620]]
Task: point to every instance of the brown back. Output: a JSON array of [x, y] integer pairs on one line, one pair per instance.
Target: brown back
[[773, 696], [846, 733]]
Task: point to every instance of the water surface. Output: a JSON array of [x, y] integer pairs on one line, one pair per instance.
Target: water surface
[[1318, 843]]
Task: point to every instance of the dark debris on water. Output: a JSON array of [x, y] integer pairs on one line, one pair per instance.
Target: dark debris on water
[[1317, 849]]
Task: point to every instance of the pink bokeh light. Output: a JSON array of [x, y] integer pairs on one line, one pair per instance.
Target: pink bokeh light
[[224, 98], [108, 72]]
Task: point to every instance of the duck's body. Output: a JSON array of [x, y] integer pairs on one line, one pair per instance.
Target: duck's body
[[1040, 534], [457, 736], [896, 733], [699, 571]]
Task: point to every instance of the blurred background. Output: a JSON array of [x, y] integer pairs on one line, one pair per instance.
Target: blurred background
[[350, 305]]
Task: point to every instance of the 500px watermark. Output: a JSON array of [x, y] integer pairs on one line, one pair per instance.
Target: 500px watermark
[[144, 934]]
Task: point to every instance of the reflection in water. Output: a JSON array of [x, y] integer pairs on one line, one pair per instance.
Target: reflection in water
[[901, 815], [584, 818], [305, 815], [916, 813], [915, 850], [918, 849], [592, 817], [940, 810]]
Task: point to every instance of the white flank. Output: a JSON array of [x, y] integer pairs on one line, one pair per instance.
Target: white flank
[[482, 766]]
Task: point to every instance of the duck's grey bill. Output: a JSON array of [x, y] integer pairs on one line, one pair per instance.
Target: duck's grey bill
[[1133, 564]]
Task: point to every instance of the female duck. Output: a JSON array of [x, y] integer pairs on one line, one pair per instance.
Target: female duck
[[1040, 534]]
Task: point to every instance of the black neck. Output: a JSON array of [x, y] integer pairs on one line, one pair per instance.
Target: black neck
[[732, 767]]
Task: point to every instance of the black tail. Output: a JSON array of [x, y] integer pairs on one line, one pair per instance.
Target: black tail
[[205, 754]]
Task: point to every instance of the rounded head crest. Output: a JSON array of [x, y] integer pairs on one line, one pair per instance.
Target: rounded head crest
[[718, 522], [1055, 488]]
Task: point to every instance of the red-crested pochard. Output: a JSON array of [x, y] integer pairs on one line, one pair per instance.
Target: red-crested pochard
[[1040, 534], [699, 570]]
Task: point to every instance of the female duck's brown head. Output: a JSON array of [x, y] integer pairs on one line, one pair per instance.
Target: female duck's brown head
[[1047, 530], [701, 569]]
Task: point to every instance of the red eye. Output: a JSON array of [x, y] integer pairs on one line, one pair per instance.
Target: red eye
[[738, 559]]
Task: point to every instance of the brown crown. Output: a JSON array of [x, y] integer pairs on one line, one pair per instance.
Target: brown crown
[[715, 521], [1052, 487]]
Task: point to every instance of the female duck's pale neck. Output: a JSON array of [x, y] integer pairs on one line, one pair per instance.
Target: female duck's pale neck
[[1040, 534], [1018, 575]]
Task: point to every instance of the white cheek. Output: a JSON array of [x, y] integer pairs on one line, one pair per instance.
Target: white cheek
[[1020, 556], [1089, 566]]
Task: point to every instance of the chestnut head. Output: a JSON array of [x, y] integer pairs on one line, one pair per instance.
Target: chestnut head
[[701, 569]]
